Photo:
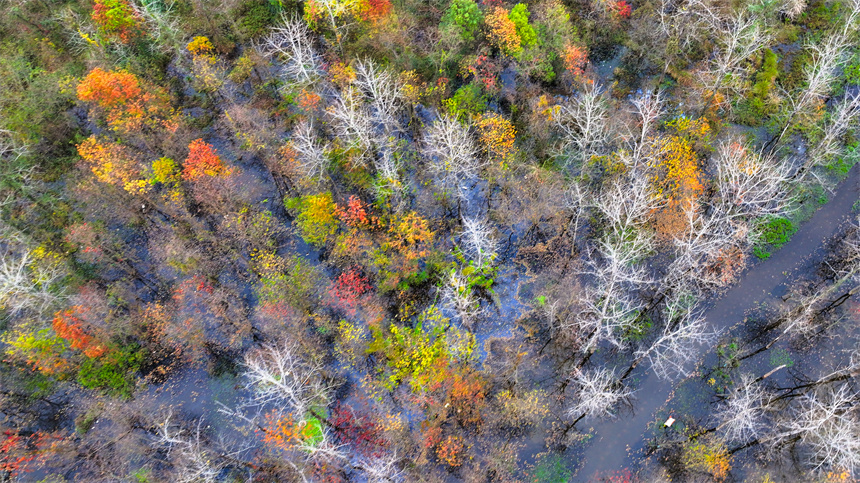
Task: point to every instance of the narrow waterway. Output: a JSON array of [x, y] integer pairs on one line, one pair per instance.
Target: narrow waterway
[[619, 443]]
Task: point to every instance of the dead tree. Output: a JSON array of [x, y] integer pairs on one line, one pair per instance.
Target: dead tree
[[452, 156]]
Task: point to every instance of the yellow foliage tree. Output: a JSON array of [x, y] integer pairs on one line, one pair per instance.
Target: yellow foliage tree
[[497, 136]]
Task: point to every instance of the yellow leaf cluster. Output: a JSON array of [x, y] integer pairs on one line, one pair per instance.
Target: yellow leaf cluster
[[497, 136]]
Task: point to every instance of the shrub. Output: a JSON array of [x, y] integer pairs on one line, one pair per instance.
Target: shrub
[[468, 101], [116, 19], [756, 108], [466, 15], [255, 18], [707, 455], [852, 71], [114, 373]]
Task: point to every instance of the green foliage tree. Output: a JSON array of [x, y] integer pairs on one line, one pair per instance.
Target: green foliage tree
[[519, 15], [466, 15], [316, 217]]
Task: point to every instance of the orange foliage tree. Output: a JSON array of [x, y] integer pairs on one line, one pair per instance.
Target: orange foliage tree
[[128, 104], [503, 32], [203, 161], [678, 178], [574, 58]]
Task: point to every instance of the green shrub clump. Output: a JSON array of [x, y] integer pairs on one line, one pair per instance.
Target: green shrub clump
[[467, 101], [316, 217], [466, 15], [773, 232], [757, 107], [114, 372]]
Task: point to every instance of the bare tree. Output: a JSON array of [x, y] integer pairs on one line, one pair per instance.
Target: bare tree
[[162, 24], [458, 295], [825, 423], [707, 241], [385, 92], [598, 392], [26, 283], [16, 174], [684, 334], [352, 124], [626, 206], [751, 184], [452, 156], [312, 157], [290, 43], [583, 121], [478, 242], [577, 200], [388, 180], [828, 56], [381, 468], [280, 378], [189, 453], [742, 35], [648, 108], [610, 307], [741, 417], [793, 8], [843, 118]]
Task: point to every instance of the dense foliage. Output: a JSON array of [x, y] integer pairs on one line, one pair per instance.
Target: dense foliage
[[446, 240]]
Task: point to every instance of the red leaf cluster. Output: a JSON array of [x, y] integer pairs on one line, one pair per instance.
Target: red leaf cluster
[[355, 214]]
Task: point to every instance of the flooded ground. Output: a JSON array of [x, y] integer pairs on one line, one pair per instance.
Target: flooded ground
[[621, 443]]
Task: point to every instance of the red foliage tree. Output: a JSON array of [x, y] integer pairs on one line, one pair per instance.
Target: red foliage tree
[[202, 161], [621, 10], [358, 429], [17, 451], [373, 10]]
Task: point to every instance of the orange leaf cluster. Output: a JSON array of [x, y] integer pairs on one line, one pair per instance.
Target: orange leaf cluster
[[68, 326], [202, 161], [574, 58], [451, 450], [284, 433]]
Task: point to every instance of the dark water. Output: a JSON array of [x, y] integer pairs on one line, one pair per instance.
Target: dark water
[[619, 443]]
